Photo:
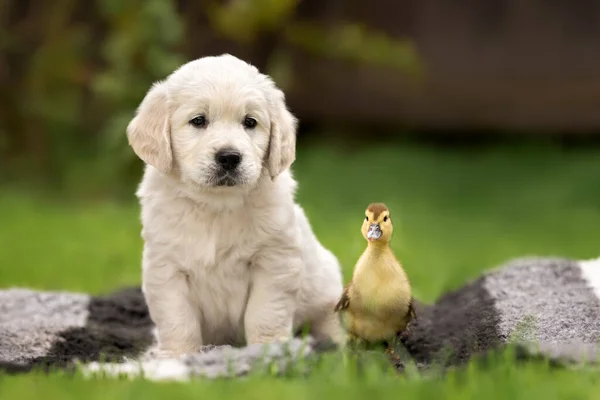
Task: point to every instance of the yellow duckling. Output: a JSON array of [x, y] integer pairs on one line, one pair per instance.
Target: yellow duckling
[[376, 305]]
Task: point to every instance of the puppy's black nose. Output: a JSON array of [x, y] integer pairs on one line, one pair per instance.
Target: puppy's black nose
[[228, 159]]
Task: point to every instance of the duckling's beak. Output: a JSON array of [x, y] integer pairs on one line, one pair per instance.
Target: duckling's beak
[[374, 232]]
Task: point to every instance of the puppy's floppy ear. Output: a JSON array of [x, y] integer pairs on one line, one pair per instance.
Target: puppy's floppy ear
[[282, 144], [149, 132]]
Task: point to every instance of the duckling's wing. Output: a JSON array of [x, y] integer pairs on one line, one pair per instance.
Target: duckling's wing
[[344, 300]]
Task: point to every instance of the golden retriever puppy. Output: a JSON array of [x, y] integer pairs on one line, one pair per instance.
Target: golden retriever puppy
[[228, 258]]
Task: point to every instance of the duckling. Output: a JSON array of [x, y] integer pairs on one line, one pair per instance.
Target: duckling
[[377, 304]]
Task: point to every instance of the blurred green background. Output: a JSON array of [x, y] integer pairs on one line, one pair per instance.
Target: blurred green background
[[434, 108], [475, 121]]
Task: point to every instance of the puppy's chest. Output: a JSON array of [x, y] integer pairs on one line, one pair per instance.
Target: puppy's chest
[[221, 293], [215, 255], [208, 243]]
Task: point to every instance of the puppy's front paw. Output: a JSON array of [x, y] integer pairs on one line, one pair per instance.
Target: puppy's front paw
[[269, 336], [165, 354], [265, 339], [162, 354]]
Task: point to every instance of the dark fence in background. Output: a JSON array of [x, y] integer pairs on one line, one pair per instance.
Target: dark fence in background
[[72, 73], [501, 64]]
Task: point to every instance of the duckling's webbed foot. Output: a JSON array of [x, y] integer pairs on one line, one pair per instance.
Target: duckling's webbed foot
[[394, 357], [391, 352]]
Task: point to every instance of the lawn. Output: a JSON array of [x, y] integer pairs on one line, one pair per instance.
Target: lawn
[[456, 212]]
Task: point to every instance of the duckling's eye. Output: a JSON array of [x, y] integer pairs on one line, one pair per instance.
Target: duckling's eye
[[385, 218], [366, 218]]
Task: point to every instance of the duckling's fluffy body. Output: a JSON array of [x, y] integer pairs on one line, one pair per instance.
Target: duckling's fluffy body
[[380, 297], [377, 303]]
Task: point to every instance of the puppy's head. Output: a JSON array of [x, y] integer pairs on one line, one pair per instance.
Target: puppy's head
[[215, 122]]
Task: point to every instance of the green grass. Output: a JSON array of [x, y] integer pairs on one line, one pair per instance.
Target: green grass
[[499, 379], [456, 213]]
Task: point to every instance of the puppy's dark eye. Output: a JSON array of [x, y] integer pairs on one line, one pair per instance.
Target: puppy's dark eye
[[385, 218], [199, 121], [249, 123]]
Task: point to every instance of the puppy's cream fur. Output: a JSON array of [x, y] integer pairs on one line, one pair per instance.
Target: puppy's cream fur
[[226, 264]]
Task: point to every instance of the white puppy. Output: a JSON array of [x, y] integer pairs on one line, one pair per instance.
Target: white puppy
[[229, 258]]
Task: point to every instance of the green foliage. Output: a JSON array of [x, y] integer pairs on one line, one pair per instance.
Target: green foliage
[[141, 48], [85, 68], [69, 110], [244, 20], [46, 105], [356, 42]]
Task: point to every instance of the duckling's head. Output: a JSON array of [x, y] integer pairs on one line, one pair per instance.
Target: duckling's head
[[377, 226]]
